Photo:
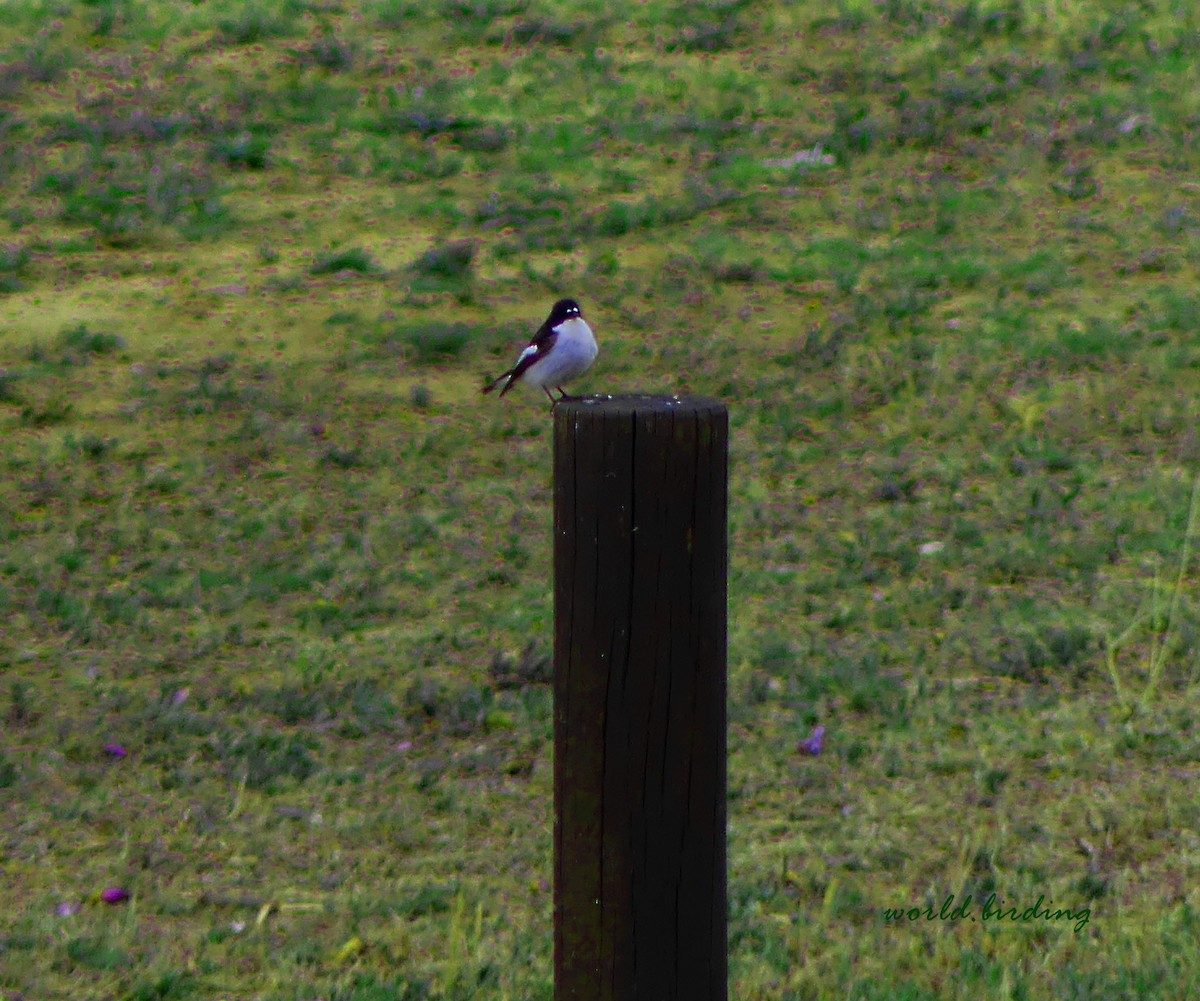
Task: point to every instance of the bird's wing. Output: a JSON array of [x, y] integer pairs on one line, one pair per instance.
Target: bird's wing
[[538, 348]]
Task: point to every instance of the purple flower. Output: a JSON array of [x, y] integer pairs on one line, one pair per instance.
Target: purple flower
[[114, 895], [115, 750], [813, 744], [66, 910]]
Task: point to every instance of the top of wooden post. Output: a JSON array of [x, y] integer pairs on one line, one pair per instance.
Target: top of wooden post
[[638, 403]]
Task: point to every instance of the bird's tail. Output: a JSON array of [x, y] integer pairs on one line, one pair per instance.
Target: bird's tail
[[496, 382]]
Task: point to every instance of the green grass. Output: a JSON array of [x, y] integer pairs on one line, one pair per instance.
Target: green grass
[[258, 529]]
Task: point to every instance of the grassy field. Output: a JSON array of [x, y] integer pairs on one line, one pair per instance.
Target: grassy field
[[275, 595]]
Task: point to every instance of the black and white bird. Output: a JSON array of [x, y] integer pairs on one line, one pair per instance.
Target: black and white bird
[[563, 349]]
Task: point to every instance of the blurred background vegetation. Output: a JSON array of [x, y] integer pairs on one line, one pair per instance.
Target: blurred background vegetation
[[274, 581]]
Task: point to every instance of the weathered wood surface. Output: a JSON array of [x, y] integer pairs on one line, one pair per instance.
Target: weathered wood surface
[[640, 563]]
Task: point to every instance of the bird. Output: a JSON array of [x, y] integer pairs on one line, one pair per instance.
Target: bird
[[562, 350]]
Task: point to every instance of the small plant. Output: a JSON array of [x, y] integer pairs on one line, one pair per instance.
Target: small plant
[[450, 260], [245, 149], [539, 31], [429, 342], [79, 342], [342, 458], [329, 53], [107, 15], [171, 985], [92, 445], [269, 761], [8, 386], [39, 64], [12, 263], [484, 138], [95, 954], [56, 410], [350, 259], [123, 197], [21, 703], [1161, 619], [484, 11], [397, 13], [746, 272], [251, 24]]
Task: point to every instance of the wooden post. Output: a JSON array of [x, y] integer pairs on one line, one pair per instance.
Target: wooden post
[[640, 563]]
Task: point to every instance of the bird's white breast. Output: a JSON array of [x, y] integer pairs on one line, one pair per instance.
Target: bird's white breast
[[574, 351], [579, 336]]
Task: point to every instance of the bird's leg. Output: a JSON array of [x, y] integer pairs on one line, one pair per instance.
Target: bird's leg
[[550, 396], [564, 395]]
